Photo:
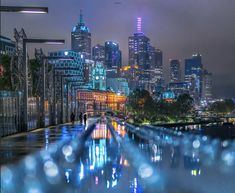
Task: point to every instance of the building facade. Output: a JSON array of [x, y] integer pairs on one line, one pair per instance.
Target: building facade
[[156, 69], [193, 76], [113, 59], [118, 85], [98, 53], [139, 56], [68, 74], [179, 88], [175, 71], [95, 102], [81, 39], [97, 75], [7, 46], [207, 86]]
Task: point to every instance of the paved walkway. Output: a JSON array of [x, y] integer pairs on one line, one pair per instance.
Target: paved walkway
[[13, 148]]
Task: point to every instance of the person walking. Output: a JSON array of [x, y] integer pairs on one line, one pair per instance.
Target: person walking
[[72, 118], [85, 118], [80, 118]]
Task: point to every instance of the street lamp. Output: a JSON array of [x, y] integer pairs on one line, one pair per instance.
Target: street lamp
[[25, 97], [19, 9]]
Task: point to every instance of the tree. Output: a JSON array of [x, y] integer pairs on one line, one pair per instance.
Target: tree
[[5, 80], [222, 107], [141, 103], [35, 69], [184, 105]]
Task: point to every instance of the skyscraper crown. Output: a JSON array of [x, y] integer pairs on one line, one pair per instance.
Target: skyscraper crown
[[81, 25]]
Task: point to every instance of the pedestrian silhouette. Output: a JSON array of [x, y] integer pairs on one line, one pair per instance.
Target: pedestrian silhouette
[[85, 118], [72, 118], [80, 118]]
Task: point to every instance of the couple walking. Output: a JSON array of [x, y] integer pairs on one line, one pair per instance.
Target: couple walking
[[83, 117]]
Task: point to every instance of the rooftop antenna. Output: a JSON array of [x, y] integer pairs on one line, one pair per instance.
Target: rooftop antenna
[[81, 17]]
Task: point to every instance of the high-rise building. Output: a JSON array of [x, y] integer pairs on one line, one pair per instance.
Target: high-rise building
[[139, 46], [175, 71], [193, 75], [156, 68], [98, 53], [206, 86], [81, 38], [113, 59]]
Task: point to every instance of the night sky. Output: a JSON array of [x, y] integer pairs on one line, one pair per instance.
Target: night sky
[[178, 27]]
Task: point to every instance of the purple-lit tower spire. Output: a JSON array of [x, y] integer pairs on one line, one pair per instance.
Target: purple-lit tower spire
[[139, 25]]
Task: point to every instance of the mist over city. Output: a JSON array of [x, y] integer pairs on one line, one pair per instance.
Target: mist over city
[[117, 96]]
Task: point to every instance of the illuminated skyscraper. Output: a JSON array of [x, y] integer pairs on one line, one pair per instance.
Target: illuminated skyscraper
[[175, 71], [156, 68], [193, 75], [81, 38], [139, 47], [98, 53], [207, 86], [113, 59]]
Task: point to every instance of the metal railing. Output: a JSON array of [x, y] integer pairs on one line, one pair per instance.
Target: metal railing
[[44, 171], [10, 114]]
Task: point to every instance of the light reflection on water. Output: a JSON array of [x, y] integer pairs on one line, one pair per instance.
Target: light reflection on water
[[104, 167]]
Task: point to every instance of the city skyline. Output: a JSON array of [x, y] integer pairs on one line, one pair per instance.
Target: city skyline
[[181, 46]]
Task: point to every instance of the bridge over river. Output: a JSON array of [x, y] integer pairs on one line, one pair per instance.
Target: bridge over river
[[108, 155]]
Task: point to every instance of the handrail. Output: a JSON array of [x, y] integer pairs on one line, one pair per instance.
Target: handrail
[[44, 170]]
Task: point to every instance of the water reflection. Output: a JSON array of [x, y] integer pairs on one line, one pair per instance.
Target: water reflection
[[181, 163], [103, 167]]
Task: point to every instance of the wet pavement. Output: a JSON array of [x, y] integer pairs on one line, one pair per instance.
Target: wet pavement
[[115, 158], [14, 148]]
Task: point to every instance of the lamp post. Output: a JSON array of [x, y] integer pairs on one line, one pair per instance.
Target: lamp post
[[19, 9], [35, 10], [25, 96]]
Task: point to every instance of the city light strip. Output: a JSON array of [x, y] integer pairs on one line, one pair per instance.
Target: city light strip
[[45, 41]]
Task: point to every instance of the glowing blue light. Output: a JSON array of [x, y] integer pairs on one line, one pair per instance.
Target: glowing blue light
[[66, 53], [114, 183], [81, 174], [74, 29], [196, 144]]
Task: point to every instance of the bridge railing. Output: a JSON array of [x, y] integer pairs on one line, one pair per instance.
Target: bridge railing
[[44, 171], [206, 161]]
